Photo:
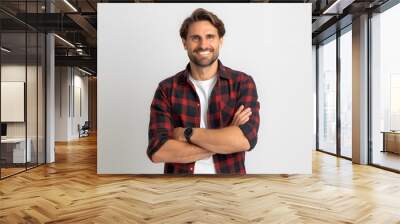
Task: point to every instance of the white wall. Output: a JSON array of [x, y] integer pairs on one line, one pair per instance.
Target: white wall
[[79, 117], [12, 101], [314, 73], [68, 81], [61, 103], [138, 47]]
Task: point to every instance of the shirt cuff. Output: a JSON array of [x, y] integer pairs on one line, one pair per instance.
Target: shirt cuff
[[249, 133], [156, 146]]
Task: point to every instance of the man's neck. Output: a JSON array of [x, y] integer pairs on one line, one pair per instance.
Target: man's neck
[[203, 73]]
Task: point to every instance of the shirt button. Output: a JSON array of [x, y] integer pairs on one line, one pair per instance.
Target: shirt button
[[191, 168], [198, 104]]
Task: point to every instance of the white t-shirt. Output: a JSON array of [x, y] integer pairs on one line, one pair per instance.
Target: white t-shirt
[[203, 90]]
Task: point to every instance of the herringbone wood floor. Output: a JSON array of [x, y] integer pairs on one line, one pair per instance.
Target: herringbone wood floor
[[70, 191]]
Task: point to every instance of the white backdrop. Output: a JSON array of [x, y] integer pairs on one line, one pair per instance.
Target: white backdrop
[[139, 45]]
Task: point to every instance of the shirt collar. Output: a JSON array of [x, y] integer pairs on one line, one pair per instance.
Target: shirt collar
[[221, 72]]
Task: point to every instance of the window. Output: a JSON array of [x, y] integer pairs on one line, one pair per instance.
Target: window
[[327, 96], [385, 88], [346, 93]]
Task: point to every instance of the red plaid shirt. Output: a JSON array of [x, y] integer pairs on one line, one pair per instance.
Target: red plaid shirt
[[176, 104]]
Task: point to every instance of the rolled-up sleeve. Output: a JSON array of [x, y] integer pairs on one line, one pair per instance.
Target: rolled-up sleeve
[[160, 125], [249, 98]]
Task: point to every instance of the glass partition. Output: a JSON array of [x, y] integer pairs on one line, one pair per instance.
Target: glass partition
[[22, 77], [13, 110], [327, 96]]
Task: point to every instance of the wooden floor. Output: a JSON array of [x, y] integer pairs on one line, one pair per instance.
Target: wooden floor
[[5, 172], [70, 191]]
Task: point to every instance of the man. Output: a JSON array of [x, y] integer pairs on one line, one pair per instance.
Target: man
[[204, 118]]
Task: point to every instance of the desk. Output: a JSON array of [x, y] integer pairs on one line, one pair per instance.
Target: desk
[[391, 141], [13, 150]]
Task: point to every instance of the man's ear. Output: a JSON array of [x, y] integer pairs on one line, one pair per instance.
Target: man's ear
[[221, 42], [184, 43]]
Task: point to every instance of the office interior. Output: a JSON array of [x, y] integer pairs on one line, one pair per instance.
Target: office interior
[[48, 80], [30, 56]]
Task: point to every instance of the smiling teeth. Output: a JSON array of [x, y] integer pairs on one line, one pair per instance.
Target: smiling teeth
[[204, 52]]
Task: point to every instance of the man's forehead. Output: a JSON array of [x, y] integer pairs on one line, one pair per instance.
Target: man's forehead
[[202, 26]]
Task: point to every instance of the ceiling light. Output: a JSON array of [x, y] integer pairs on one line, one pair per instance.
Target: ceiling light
[[5, 50], [65, 41], [338, 6], [70, 5], [84, 71]]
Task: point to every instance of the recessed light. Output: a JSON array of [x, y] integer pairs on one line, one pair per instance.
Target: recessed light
[[84, 71], [5, 50], [70, 5], [64, 40]]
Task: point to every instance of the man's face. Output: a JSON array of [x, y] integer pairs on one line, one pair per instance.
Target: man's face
[[202, 43]]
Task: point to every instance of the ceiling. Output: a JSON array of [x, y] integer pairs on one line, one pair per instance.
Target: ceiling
[[76, 22]]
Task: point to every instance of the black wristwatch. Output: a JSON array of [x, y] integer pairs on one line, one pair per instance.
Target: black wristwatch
[[188, 133]]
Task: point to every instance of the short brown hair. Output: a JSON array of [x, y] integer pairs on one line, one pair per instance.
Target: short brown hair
[[201, 14]]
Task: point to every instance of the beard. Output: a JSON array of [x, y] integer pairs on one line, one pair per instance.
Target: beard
[[203, 62]]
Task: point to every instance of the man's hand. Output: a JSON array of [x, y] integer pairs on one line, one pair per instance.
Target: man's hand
[[178, 134], [241, 116]]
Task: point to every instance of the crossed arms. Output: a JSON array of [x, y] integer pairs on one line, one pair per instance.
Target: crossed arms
[[167, 143], [206, 142]]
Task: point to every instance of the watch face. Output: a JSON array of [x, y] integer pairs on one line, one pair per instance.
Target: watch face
[[188, 132]]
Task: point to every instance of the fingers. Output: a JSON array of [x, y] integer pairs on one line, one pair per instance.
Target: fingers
[[241, 116], [244, 117], [240, 109], [243, 120], [244, 113], [235, 117]]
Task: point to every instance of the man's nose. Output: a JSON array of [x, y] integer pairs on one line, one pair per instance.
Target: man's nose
[[203, 43]]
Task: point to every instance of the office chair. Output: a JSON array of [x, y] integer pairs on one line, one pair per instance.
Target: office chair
[[84, 130]]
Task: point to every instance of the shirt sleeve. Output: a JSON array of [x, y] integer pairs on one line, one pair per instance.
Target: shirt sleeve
[[249, 98], [160, 125]]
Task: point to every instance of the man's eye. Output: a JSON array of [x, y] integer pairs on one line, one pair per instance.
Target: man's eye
[[195, 38], [211, 37]]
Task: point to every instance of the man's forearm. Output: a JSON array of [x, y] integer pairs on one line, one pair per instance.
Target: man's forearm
[[174, 151], [224, 141]]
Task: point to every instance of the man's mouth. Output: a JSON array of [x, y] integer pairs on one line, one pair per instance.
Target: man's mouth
[[204, 52]]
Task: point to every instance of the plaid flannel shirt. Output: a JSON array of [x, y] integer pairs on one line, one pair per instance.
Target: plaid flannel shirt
[[176, 104]]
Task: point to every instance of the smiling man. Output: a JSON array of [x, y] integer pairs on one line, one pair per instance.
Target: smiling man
[[204, 118]]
